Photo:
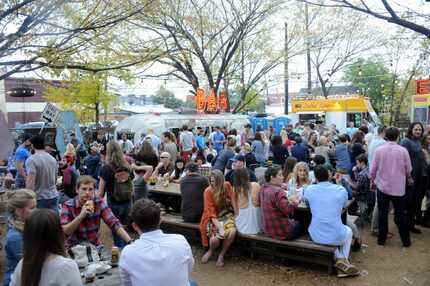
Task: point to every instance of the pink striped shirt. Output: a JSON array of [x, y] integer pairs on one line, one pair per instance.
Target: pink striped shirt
[[391, 164]]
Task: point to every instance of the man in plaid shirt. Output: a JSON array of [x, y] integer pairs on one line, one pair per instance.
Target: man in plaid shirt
[[81, 216], [361, 189], [276, 208]]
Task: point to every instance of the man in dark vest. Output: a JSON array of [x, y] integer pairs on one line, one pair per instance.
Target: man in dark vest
[[67, 188]]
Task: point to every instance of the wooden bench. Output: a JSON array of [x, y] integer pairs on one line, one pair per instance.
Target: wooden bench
[[298, 249]]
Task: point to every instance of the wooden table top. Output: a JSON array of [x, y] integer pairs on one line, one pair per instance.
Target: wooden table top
[[172, 190]]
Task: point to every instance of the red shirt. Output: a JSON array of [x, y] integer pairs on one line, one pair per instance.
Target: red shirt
[[276, 209]]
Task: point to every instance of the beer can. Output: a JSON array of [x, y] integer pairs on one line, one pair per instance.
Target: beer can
[[90, 203], [114, 256]]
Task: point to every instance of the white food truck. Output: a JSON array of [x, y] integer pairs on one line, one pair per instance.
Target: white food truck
[[136, 125]]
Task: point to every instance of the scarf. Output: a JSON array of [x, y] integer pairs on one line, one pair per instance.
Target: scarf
[[17, 223]]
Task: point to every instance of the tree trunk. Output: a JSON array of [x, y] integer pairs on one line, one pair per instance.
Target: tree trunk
[[399, 105]]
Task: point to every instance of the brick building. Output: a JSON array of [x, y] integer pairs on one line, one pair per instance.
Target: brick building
[[19, 110]]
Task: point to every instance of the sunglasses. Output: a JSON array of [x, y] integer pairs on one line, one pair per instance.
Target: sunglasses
[[163, 157]]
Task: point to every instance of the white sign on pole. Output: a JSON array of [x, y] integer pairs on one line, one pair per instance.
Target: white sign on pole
[[50, 114]]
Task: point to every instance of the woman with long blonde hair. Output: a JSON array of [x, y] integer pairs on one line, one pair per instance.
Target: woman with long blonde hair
[[300, 177], [266, 144], [218, 222], [115, 162], [70, 150], [20, 204]]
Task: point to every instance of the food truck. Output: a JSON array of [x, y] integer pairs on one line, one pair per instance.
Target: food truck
[[420, 104], [136, 125], [339, 110]]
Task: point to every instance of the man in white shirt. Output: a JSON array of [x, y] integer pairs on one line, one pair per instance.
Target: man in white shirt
[[186, 143], [155, 140], [155, 258], [125, 144]]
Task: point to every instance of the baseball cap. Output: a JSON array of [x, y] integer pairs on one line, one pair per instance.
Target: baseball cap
[[328, 166], [238, 158]]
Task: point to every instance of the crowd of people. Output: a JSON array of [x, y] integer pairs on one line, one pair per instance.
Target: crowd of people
[[63, 200]]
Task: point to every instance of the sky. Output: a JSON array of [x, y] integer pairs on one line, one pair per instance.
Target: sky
[[297, 65]]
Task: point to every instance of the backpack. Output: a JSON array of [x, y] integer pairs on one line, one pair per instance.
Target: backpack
[[123, 186]]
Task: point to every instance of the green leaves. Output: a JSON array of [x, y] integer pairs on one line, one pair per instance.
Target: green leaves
[[166, 98]]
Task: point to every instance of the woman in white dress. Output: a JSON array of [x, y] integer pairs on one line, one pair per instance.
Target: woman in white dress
[[249, 220]]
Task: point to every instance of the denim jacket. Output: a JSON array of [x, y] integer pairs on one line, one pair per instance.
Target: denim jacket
[[13, 246]]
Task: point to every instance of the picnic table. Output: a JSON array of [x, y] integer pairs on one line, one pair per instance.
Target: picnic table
[[159, 189], [304, 216], [302, 213]]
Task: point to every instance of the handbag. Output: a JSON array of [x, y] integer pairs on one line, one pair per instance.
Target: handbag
[[84, 253]]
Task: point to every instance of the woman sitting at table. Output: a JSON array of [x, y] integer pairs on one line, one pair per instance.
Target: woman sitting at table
[[44, 260], [288, 168], [218, 217], [20, 204], [179, 171], [247, 195], [300, 178]]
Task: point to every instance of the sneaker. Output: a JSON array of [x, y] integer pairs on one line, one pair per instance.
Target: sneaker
[[345, 267]]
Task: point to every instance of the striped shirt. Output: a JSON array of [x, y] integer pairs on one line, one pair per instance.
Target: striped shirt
[[391, 164]]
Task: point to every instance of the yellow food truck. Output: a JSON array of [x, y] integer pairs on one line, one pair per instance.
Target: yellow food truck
[[339, 110]]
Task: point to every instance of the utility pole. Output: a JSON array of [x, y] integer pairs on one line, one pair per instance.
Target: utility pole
[[242, 72], [308, 50], [286, 69]]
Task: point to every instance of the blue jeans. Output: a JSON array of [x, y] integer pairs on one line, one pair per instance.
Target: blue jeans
[[19, 182], [121, 211], [297, 231], [48, 204]]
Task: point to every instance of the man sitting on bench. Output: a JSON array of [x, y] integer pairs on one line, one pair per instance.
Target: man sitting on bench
[[276, 208], [80, 216], [326, 202]]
